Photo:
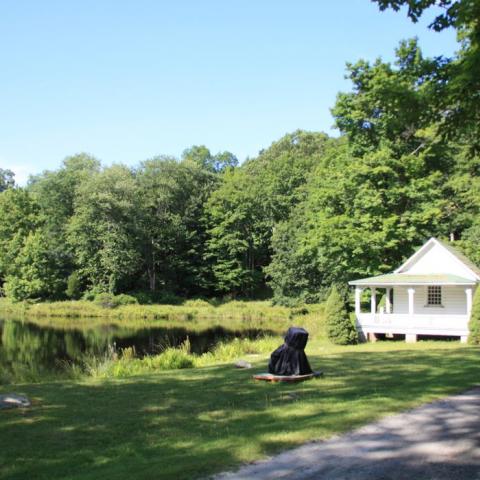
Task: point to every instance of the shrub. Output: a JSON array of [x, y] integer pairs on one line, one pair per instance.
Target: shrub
[[124, 299], [106, 300], [474, 324], [74, 286], [197, 303], [340, 329], [90, 295], [145, 297], [168, 298]]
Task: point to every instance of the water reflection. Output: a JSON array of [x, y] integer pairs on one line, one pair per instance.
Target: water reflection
[[29, 352]]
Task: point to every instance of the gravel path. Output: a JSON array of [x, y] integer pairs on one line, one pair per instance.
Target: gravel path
[[438, 441]]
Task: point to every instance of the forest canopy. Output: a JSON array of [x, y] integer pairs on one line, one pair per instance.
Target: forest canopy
[[308, 212]]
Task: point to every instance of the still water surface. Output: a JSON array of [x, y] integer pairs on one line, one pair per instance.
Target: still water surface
[[30, 352]]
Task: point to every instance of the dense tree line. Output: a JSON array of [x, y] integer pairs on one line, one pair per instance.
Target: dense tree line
[[308, 212]]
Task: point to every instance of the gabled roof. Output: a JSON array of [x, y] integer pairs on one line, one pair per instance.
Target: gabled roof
[[463, 258], [459, 257], [401, 275], [392, 279]]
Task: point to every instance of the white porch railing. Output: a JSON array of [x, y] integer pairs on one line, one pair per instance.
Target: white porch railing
[[419, 324]]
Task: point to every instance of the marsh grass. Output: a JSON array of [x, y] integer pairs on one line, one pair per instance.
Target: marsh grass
[[247, 311], [126, 363]]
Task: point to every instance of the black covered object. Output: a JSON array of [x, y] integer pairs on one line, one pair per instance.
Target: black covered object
[[290, 358]]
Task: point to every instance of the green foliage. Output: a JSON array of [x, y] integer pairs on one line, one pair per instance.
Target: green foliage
[[19, 217], [127, 364], [360, 217], [201, 156], [147, 297], [171, 224], [74, 286], [108, 300], [246, 208], [35, 272], [339, 327], [474, 324], [458, 77], [389, 105], [7, 179], [102, 232], [124, 299], [56, 191]]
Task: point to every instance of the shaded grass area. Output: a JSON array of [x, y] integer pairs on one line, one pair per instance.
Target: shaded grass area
[[190, 423]]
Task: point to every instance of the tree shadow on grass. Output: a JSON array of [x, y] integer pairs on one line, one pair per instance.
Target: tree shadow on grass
[[191, 423]]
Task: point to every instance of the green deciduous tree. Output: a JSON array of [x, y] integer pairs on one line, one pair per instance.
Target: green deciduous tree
[[360, 217], [19, 217], [36, 271], [391, 105], [458, 99], [7, 179], [171, 223], [251, 200], [202, 157], [103, 230], [55, 191]]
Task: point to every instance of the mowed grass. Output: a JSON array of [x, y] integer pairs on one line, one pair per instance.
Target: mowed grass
[[191, 423]]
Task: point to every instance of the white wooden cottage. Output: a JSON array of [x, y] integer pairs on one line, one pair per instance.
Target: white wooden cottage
[[430, 294]]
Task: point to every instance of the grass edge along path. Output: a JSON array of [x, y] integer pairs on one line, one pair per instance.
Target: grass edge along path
[[192, 423]]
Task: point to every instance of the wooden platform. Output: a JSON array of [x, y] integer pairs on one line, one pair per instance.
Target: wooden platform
[[268, 377]]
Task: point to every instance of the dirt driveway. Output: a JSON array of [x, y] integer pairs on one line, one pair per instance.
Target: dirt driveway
[[438, 441]]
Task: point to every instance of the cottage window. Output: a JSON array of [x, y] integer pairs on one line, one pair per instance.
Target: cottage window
[[434, 295]]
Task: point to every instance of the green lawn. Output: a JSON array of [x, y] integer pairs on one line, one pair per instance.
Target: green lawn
[[190, 423]]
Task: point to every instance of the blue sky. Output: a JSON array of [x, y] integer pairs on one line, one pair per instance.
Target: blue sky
[[128, 80]]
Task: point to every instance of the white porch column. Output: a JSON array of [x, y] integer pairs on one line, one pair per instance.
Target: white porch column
[[411, 298], [388, 304], [373, 300], [468, 293], [358, 297]]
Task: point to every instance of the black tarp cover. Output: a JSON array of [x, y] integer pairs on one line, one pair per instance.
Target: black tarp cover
[[290, 358]]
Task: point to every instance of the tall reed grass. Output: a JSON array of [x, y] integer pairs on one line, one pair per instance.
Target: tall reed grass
[[126, 363]]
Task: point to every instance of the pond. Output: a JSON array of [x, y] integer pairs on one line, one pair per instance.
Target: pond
[[30, 352]]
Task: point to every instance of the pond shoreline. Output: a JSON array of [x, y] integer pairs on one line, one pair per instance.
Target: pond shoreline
[[197, 308], [136, 339]]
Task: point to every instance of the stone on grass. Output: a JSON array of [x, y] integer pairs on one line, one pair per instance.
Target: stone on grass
[[242, 364], [12, 400]]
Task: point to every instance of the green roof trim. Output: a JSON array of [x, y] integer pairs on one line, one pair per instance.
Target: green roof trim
[[406, 279]]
